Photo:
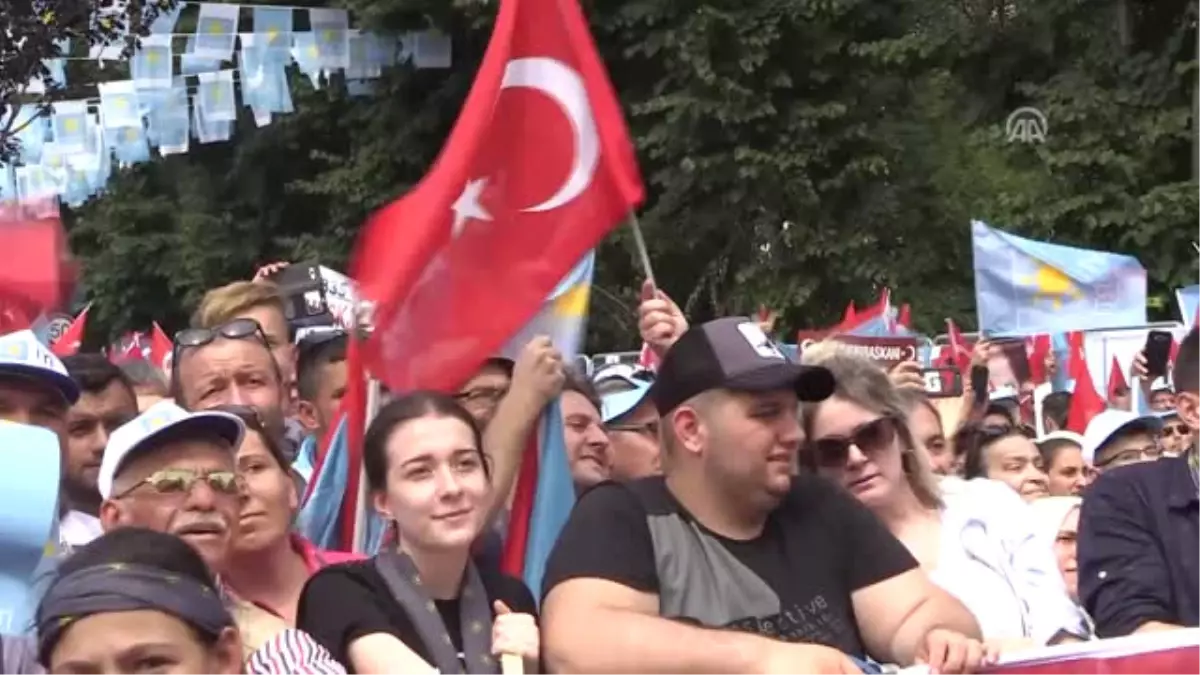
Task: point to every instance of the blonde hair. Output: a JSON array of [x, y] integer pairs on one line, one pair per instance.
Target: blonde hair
[[862, 382], [224, 304]]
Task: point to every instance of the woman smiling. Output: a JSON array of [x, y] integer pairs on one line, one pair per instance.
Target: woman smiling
[[423, 605]]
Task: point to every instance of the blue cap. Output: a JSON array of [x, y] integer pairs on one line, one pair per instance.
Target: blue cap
[[621, 403]]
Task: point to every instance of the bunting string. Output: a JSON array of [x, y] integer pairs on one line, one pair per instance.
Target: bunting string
[[186, 86]]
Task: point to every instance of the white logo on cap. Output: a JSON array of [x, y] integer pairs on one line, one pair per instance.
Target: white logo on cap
[[760, 342]]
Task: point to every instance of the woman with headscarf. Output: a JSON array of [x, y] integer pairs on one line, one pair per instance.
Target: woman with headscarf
[[1056, 527], [975, 542], [140, 601], [423, 604]]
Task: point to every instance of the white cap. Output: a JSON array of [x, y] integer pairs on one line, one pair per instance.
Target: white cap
[[1061, 435], [23, 355], [1110, 423], [161, 421]]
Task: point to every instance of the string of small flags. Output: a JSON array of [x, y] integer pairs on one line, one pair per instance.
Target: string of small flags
[[171, 99]]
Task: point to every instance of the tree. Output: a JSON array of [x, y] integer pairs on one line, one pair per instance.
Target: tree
[[40, 29], [798, 154]]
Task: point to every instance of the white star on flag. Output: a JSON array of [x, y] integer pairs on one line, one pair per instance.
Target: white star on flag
[[467, 206]]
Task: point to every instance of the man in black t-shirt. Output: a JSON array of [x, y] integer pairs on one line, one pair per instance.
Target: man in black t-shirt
[[646, 574]]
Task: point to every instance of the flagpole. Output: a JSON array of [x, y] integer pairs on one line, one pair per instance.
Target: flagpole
[[639, 244]]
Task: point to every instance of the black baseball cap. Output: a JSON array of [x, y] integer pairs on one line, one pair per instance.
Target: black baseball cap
[[732, 353]]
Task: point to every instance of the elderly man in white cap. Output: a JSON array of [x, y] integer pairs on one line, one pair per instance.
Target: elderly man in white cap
[[174, 471]]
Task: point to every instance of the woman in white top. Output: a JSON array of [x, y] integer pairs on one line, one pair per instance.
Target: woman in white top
[[976, 542]]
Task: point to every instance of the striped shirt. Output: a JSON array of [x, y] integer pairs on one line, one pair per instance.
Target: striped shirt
[[292, 651]]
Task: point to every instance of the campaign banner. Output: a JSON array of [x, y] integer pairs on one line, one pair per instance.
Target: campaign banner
[[887, 351]]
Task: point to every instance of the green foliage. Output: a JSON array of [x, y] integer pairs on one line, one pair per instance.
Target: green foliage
[[797, 153]]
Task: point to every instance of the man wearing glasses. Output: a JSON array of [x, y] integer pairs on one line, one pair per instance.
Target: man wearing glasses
[[175, 472], [632, 424], [228, 364], [1119, 437]]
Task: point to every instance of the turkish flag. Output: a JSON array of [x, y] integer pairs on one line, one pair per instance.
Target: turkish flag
[[539, 167], [1086, 403], [160, 346], [960, 349], [72, 337], [1038, 347], [1116, 379]]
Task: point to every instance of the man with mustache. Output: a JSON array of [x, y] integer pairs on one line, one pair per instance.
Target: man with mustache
[[175, 472]]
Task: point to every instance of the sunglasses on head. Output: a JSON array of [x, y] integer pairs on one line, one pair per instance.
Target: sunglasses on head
[[238, 329], [870, 438], [181, 481]]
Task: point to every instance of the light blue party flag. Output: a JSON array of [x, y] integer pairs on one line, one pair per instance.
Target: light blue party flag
[[119, 104], [307, 57], [70, 126], [1027, 287], [215, 96], [129, 145], [216, 28], [32, 128], [150, 66], [191, 64], [275, 28], [329, 28]]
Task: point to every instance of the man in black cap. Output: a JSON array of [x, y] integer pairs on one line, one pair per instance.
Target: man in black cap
[[646, 574]]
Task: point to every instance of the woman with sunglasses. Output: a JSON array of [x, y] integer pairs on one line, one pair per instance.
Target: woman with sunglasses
[[268, 563], [976, 543], [1004, 453], [423, 605]]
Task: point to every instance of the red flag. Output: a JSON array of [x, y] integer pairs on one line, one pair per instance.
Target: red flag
[[850, 314], [960, 349], [1116, 379], [72, 337], [905, 318], [1086, 403], [161, 346], [539, 167], [1038, 349]]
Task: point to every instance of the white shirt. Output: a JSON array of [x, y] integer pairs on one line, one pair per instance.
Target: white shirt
[[991, 560], [78, 529]]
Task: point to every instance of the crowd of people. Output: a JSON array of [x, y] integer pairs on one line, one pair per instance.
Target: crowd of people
[[736, 511]]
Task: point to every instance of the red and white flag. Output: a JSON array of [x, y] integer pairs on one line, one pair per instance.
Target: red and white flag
[[539, 167]]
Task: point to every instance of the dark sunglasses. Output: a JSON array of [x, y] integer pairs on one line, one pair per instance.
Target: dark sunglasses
[[871, 439], [1174, 430]]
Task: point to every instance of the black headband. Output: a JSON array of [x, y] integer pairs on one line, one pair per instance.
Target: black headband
[[126, 587]]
